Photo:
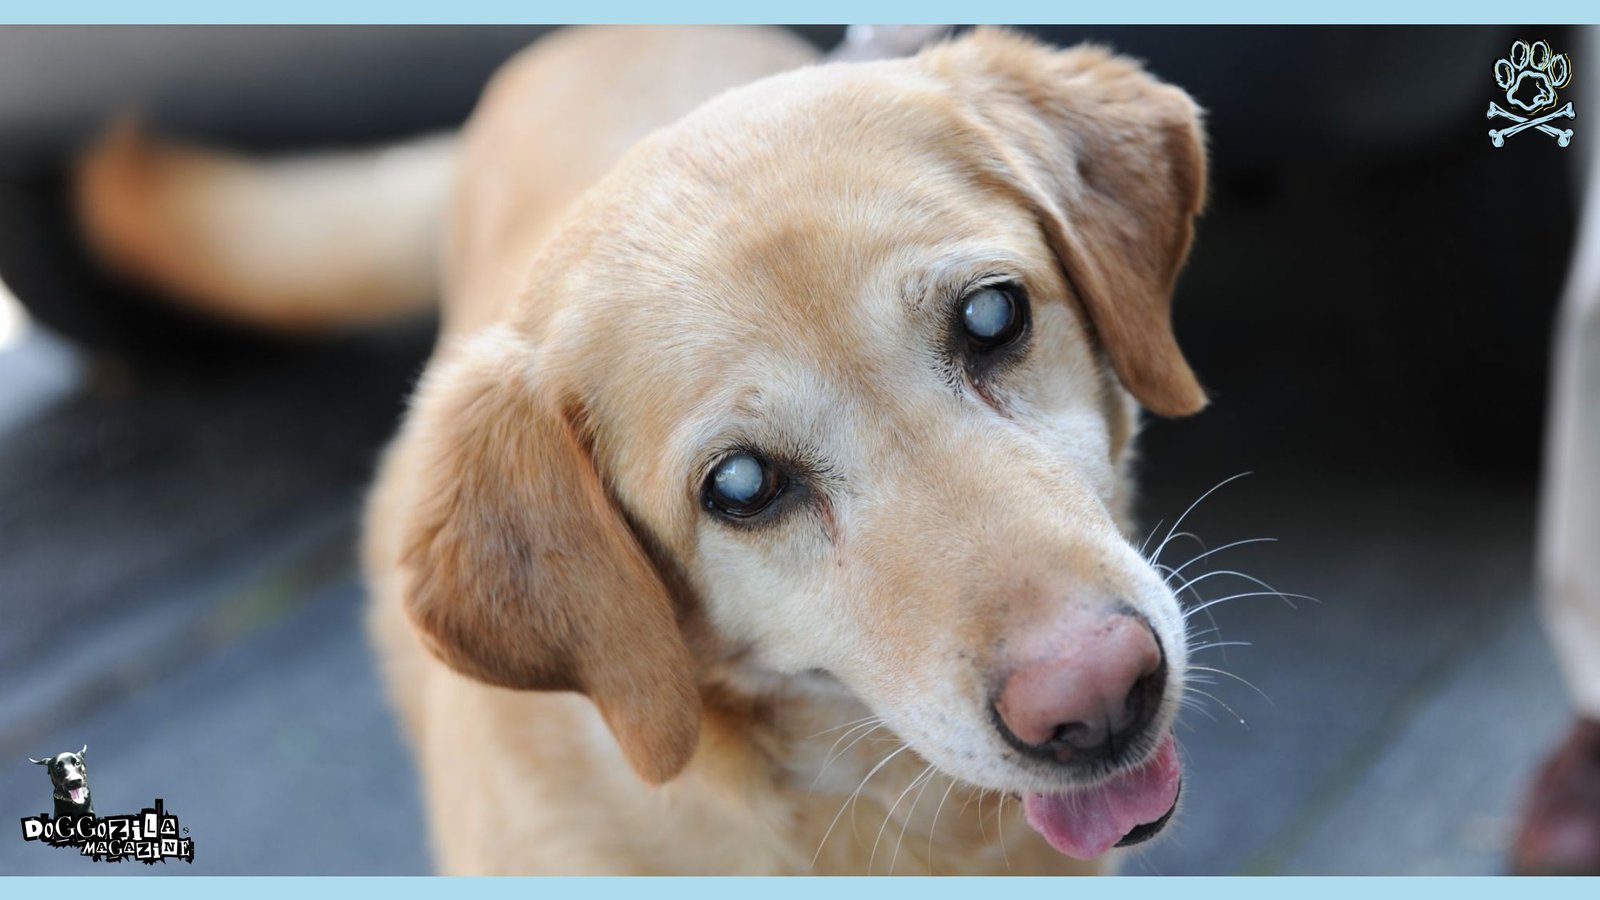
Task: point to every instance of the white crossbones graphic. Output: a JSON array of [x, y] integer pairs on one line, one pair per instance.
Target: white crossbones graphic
[[1497, 136]]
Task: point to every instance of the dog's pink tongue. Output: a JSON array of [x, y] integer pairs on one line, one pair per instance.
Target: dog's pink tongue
[[1085, 824], [77, 794]]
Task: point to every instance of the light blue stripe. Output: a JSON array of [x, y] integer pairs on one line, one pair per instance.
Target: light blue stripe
[[823, 11]]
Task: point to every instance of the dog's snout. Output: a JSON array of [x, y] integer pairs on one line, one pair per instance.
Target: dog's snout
[[1092, 700]]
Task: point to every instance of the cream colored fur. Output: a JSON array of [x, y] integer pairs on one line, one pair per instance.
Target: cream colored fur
[[642, 268]]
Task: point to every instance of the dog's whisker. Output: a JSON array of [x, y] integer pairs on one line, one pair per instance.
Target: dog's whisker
[[870, 725], [1218, 700], [1216, 573], [854, 799], [1201, 499], [1146, 542], [927, 779], [1170, 571], [1191, 636], [1210, 603], [1210, 617], [915, 802], [1180, 535], [1215, 644], [982, 792], [1194, 704], [889, 817], [832, 758], [1155, 560], [1242, 681], [1000, 827], [1253, 580], [859, 721], [1186, 587], [1173, 572], [850, 800], [933, 828]]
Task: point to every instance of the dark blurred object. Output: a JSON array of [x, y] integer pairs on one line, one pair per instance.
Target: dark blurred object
[[49, 269], [1286, 95], [1561, 829], [257, 87], [1371, 285], [1275, 94], [260, 88]]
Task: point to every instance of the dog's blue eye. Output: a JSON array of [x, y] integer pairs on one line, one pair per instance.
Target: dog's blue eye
[[991, 316], [742, 485]]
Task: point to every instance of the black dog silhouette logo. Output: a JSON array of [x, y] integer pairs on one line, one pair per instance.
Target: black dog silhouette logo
[[69, 779], [151, 835], [1532, 76]]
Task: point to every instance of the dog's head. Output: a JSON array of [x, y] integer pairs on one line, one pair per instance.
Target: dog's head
[[839, 374], [69, 775]]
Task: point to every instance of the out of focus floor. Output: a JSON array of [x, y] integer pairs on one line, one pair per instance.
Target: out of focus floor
[[177, 590]]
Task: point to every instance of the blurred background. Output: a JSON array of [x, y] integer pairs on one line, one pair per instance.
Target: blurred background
[[1370, 302]]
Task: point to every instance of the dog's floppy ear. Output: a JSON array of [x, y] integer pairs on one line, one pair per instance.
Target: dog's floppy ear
[[40, 762], [520, 569], [1114, 163]]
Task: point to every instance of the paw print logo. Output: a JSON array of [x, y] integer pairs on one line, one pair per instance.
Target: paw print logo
[[1532, 76]]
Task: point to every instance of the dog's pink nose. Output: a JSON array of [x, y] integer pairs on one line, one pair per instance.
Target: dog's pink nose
[[1090, 701]]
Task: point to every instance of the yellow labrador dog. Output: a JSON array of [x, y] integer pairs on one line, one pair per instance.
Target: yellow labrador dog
[[764, 506]]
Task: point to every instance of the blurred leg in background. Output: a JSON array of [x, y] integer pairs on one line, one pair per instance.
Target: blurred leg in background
[[1561, 827]]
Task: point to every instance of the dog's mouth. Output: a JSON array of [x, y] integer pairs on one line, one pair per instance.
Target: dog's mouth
[[1129, 808], [78, 793]]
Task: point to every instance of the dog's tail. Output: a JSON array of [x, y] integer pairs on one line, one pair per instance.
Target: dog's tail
[[302, 245]]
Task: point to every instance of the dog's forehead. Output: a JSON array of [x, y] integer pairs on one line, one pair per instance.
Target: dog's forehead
[[802, 213], [795, 182], [767, 256]]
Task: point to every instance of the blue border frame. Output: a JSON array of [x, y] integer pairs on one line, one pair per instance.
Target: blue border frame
[[1226, 12]]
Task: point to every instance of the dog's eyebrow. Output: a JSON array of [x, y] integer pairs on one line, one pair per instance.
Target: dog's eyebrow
[[750, 422], [709, 436], [955, 269]]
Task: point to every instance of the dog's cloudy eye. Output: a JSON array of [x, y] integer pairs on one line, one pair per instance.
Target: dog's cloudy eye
[[992, 316], [742, 485]]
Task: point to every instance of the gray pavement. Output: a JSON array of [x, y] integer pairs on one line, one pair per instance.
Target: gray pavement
[[177, 590]]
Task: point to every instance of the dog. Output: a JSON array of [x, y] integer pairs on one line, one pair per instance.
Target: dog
[[764, 507], [69, 782]]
